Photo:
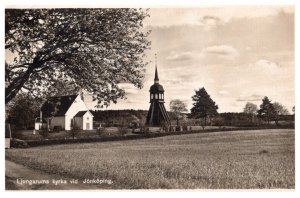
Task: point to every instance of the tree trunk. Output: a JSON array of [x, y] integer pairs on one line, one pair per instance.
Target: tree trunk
[[17, 84]]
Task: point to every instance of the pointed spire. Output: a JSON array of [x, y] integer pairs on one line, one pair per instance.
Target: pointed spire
[[156, 74]]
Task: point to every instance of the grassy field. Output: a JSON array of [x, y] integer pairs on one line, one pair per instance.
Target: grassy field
[[238, 159]]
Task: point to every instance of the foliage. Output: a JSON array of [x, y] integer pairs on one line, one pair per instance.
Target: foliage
[[94, 49], [57, 128], [117, 117], [75, 130], [61, 87], [122, 130], [250, 108], [279, 110], [100, 131], [238, 119], [22, 111], [267, 111], [177, 106], [219, 121], [44, 134], [203, 107], [17, 143]]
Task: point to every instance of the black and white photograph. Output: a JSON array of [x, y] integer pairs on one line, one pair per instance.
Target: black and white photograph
[[149, 98]]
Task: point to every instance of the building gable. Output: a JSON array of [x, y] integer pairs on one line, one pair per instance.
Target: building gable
[[57, 106], [77, 106]]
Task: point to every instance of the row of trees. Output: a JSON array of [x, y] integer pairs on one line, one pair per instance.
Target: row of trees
[[205, 111], [204, 108]]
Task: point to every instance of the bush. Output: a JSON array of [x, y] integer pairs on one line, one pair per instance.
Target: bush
[[171, 128], [122, 130], [16, 143], [219, 121], [44, 133], [74, 132], [146, 131], [100, 131], [57, 128]]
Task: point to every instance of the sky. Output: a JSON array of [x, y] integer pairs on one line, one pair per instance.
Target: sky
[[239, 54]]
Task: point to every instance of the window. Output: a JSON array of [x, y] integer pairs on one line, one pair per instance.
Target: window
[[156, 96], [151, 96]]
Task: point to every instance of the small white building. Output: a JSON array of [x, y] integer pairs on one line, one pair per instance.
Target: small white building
[[67, 112], [39, 124], [83, 120]]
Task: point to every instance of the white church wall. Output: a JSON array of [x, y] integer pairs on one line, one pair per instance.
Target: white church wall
[[57, 121], [87, 120], [79, 122], [77, 105]]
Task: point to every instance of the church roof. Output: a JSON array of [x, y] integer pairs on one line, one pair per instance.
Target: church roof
[[80, 113], [156, 75], [57, 106], [156, 88]]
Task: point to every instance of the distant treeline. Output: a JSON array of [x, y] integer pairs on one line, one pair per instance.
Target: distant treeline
[[245, 119], [122, 117], [125, 117]]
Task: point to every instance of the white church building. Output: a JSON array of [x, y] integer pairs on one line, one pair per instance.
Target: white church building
[[65, 112]]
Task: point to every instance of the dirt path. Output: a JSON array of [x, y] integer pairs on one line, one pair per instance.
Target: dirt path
[[15, 173]]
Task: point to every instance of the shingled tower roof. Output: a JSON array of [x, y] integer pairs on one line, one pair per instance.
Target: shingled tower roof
[[156, 75]]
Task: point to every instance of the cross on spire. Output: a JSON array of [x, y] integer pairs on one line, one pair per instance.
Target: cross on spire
[[156, 74]]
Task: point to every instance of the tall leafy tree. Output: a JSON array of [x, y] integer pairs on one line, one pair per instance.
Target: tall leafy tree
[[267, 111], [203, 106], [22, 111], [94, 49], [251, 109], [178, 107], [280, 110]]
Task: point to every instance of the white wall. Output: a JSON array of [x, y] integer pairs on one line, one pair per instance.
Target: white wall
[[65, 121], [77, 105], [68, 122], [57, 121], [88, 118], [37, 125], [79, 122]]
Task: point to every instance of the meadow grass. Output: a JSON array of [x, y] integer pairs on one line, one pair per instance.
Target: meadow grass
[[221, 160]]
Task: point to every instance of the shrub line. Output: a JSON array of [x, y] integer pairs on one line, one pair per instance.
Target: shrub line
[[35, 143]]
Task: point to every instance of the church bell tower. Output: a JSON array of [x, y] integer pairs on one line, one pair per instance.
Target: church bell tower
[[157, 114]]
